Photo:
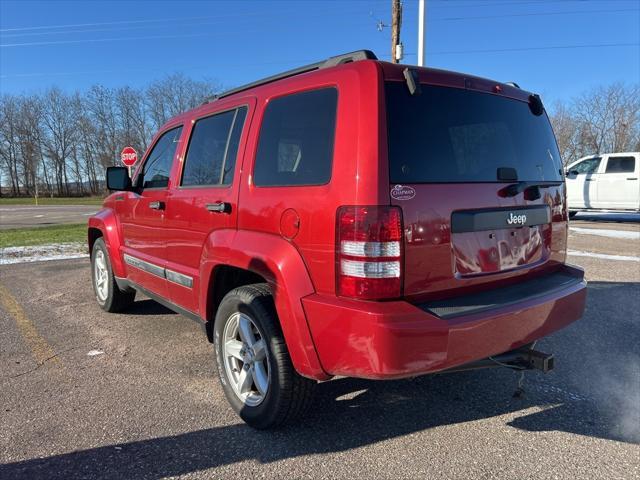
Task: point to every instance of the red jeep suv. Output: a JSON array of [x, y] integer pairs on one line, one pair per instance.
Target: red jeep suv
[[351, 217]]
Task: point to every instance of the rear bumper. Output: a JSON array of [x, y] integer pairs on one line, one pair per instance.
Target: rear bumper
[[397, 339]]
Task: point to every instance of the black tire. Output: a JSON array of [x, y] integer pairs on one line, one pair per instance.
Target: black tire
[[116, 299], [572, 214], [289, 394]]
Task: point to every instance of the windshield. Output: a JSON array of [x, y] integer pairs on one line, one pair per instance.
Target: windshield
[[451, 135]]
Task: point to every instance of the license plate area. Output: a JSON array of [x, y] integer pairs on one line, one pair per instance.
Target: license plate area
[[496, 240]]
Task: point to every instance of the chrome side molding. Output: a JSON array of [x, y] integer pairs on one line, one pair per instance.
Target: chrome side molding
[[158, 271]]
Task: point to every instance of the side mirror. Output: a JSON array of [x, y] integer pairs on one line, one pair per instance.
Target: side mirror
[[118, 178], [572, 172]]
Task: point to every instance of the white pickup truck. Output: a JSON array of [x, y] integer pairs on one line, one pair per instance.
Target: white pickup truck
[[608, 181]]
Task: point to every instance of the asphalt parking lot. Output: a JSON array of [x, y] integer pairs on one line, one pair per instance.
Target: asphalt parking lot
[[85, 394], [18, 216]]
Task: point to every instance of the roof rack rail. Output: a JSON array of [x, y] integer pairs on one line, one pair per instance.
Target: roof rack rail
[[329, 62]]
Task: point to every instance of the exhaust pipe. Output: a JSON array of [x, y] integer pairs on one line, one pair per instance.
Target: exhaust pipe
[[520, 359]]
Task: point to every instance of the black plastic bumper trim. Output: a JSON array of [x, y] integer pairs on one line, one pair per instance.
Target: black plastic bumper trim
[[501, 297]]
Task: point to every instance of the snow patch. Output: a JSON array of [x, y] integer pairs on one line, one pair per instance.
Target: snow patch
[[623, 258], [42, 253], [623, 234]]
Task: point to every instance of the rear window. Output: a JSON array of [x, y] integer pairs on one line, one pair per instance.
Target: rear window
[[621, 165], [450, 135], [296, 139]]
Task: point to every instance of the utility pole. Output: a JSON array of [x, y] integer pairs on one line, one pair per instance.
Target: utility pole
[[396, 23], [422, 33]]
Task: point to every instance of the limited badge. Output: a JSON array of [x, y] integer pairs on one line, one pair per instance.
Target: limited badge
[[400, 192]]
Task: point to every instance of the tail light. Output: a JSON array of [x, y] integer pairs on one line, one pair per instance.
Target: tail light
[[369, 252]]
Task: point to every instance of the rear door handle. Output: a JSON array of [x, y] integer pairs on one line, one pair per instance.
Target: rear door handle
[[156, 205], [632, 178], [590, 179], [220, 207]]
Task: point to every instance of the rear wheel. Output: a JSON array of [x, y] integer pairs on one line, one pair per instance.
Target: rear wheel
[[253, 362], [108, 295]]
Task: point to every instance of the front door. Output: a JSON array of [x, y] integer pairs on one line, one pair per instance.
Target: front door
[[205, 198], [142, 216]]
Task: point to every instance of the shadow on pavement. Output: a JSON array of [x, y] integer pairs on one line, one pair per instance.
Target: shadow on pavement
[[148, 307], [591, 393]]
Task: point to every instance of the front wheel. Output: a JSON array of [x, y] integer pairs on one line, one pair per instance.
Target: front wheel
[[108, 294], [253, 362]]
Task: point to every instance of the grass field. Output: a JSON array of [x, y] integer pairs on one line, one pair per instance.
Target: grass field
[[20, 237], [52, 201]]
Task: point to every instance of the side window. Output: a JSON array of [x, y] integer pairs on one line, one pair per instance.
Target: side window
[[296, 139], [213, 147], [621, 165], [156, 169], [587, 166]]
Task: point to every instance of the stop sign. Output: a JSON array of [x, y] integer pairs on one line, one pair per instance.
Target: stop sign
[[128, 156]]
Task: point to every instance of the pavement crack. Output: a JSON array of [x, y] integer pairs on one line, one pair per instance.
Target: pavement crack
[[41, 363]]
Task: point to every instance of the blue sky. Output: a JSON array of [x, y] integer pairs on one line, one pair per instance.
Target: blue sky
[[77, 44]]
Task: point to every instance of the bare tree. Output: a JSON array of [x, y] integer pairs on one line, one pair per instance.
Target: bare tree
[[174, 95], [30, 142], [9, 140], [135, 128], [606, 119], [100, 102], [59, 125]]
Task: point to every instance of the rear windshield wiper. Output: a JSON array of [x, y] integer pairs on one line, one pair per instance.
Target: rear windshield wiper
[[531, 189]]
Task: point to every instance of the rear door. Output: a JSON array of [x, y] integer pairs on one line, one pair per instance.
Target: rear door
[[582, 183], [618, 185], [205, 198], [451, 152]]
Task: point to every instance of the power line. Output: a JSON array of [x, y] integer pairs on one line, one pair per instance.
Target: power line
[[309, 60], [524, 49], [137, 22], [217, 32], [74, 25], [94, 30], [474, 3], [100, 40], [537, 14], [244, 15]]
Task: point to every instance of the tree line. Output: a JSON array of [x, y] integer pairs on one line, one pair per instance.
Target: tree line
[[603, 120], [60, 143]]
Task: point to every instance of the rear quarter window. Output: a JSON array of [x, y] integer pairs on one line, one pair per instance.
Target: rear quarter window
[[296, 139]]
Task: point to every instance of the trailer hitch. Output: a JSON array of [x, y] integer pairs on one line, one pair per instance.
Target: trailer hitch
[[536, 360], [525, 358]]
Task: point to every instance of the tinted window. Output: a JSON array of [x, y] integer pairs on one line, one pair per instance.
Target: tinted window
[[621, 165], [448, 135], [155, 173], [232, 150], [296, 139], [587, 166], [213, 148]]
